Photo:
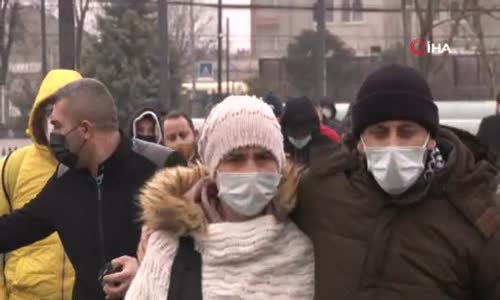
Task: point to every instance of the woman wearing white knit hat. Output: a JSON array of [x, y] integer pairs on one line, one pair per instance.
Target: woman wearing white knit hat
[[222, 232]]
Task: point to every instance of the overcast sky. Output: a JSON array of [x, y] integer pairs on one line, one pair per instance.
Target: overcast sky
[[239, 24]]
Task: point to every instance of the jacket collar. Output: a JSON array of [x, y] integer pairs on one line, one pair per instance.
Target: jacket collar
[[468, 166], [119, 156]]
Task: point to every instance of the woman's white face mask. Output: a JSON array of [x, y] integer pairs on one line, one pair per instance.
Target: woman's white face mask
[[396, 168], [247, 194]]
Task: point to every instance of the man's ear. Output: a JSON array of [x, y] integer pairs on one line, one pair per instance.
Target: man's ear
[[360, 147], [88, 128]]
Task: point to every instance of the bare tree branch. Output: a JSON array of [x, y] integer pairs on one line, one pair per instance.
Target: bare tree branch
[[453, 33], [418, 10], [6, 45], [84, 6], [477, 28]]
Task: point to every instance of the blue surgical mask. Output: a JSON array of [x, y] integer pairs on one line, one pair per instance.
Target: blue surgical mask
[[300, 143]]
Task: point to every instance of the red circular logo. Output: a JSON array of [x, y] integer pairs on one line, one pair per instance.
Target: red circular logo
[[417, 47]]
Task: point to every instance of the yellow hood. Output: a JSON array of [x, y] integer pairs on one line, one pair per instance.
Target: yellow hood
[[54, 80]]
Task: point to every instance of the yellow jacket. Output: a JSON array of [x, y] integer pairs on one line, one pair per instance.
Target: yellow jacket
[[40, 270]]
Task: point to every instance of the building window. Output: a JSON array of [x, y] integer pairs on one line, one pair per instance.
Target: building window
[[346, 13], [357, 13], [329, 13], [352, 11], [454, 9]]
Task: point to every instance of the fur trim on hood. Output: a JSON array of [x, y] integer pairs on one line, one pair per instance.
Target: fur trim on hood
[[166, 208]]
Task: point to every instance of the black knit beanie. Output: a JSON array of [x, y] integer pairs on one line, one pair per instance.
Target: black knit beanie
[[300, 113], [394, 93]]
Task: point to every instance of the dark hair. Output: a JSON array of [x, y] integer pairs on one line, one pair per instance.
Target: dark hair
[[179, 114], [498, 97], [275, 102]]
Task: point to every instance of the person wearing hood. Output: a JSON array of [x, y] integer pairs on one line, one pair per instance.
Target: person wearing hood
[[405, 209], [275, 102], [301, 128], [41, 270], [146, 126], [222, 231], [489, 130]]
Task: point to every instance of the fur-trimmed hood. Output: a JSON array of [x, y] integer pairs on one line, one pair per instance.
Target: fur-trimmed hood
[[166, 207]]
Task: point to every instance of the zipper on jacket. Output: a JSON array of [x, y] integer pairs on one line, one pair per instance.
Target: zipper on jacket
[[63, 273], [100, 218]]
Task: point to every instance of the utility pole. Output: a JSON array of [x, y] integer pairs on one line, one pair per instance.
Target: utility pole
[[219, 51], [66, 34], [228, 56], [44, 38], [321, 57], [164, 54], [193, 51], [406, 37]]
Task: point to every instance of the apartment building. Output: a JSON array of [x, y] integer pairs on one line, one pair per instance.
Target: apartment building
[[368, 33]]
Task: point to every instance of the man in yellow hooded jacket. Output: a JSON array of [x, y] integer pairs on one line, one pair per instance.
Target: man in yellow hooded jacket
[[40, 270]]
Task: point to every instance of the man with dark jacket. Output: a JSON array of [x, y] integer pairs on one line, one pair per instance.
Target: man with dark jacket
[[90, 200], [404, 209], [489, 130], [301, 129]]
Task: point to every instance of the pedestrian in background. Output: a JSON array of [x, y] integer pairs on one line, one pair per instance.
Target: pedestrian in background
[[145, 125], [489, 130], [275, 102], [301, 128], [328, 115], [181, 135]]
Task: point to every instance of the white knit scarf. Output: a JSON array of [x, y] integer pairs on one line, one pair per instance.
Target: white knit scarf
[[256, 259]]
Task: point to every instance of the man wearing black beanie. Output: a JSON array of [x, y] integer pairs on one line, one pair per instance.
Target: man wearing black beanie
[[301, 129], [406, 209]]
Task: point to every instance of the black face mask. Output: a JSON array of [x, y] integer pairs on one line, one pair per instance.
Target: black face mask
[[61, 152], [147, 138]]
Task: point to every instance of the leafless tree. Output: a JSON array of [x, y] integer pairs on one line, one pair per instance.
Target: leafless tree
[[179, 24], [467, 15], [476, 27], [81, 10], [9, 16], [425, 11]]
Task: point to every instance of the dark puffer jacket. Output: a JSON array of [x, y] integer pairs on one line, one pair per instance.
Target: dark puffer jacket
[[443, 245]]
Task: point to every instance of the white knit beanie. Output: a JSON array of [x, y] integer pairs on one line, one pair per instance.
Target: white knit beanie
[[236, 122]]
